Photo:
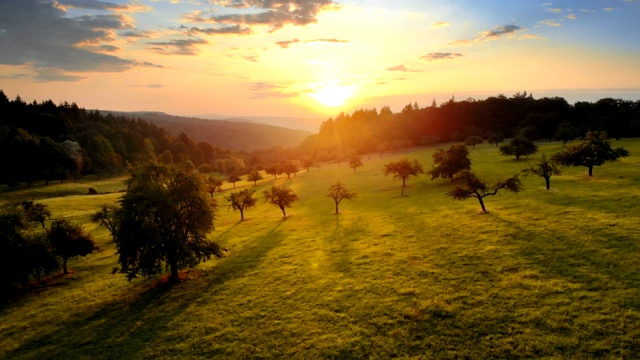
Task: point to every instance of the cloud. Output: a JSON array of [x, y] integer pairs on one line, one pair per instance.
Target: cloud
[[252, 58], [268, 13], [498, 31], [554, 10], [177, 46], [287, 43], [135, 33], [272, 91], [587, 11], [41, 35], [571, 17], [550, 22], [103, 5], [223, 30], [401, 68], [531, 37], [439, 25], [608, 9], [440, 56]]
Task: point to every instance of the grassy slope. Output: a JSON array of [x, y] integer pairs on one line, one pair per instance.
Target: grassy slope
[[543, 275]]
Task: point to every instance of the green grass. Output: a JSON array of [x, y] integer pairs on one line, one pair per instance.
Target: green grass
[[542, 275]]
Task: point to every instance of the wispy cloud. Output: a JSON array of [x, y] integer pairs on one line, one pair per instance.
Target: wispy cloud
[[435, 56], [285, 44], [186, 46], [490, 35], [264, 90], [439, 25], [102, 5], [550, 22], [402, 68]]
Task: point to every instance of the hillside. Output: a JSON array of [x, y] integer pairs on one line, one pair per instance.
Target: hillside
[[545, 274], [233, 135]]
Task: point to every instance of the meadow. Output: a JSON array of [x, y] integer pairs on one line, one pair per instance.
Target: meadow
[[545, 274]]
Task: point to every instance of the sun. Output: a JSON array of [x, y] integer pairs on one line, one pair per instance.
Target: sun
[[333, 95]]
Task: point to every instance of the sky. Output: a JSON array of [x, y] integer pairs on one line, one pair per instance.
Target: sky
[[314, 58]]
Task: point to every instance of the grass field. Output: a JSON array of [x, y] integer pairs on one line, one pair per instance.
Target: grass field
[[543, 275]]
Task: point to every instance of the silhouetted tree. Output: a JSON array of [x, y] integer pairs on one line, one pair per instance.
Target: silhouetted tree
[[68, 240], [107, 216], [449, 162], [519, 146], [594, 150], [470, 186], [473, 141], [36, 211], [543, 168], [289, 167], [241, 201], [355, 162], [233, 179], [164, 221], [254, 176], [274, 170], [213, 185], [281, 196], [338, 192], [495, 138], [403, 169], [307, 162], [565, 133]]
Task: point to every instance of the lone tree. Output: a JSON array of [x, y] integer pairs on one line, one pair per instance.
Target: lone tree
[[403, 169], [519, 146], [35, 211], [449, 162], [213, 185], [544, 168], [233, 179], [254, 176], [281, 196], [338, 192], [164, 221], [107, 216], [473, 141], [594, 150], [472, 187], [68, 240], [355, 162], [241, 201]]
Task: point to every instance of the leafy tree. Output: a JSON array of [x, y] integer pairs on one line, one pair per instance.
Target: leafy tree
[[289, 167], [233, 179], [68, 240], [449, 162], [36, 212], [241, 201], [495, 138], [281, 196], [470, 186], [594, 150], [544, 168], [403, 169], [213, 185], [473, 141], [355, 162], [254, 176], [519, 146], [565, 132], [22, 258], [107, 216], [274, 170], [164, 221], [338, 192], [307, 162]]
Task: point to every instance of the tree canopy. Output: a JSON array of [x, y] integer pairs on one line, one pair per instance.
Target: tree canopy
[[403, 169], [281, 196], [470, 186], [593, 150], [68, 240], [449, 162], [164, 221], [544, 168], [519, 146], [241, 201], [339, 192]]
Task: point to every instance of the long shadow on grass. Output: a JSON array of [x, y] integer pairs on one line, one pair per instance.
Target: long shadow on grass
[[130, 327], [592, 264]]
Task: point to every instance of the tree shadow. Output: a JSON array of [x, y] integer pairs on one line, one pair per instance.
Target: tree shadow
[[128, 327]]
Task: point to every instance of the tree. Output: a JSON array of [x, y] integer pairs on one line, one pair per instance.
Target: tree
[[519, 146], [36, 212], [164, 221], [307, 162], [338, 192], [289, 167], [565, 133], [213, 184], [107, 216], [281, 196], [495, 138], [594, 150], [68, 240], [241, 201], [543, 168], [233, 179], [403, 169], [254, 176], [473, 141], [449, 162], [355, 162], [470, 186], [273, 170]]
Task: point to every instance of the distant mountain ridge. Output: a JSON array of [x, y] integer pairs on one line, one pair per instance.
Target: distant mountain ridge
[[296, 123], [229, 134]]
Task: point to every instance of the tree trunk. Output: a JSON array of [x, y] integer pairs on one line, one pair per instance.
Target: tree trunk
[[64, 266], [590, 170], [174, 272], [482, 205], [548, 181], [284, 214], [402, 191], [241, 215], [337, 207]]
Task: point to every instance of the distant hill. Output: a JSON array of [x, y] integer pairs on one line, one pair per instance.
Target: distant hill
[[297, 123], [234, 134]]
